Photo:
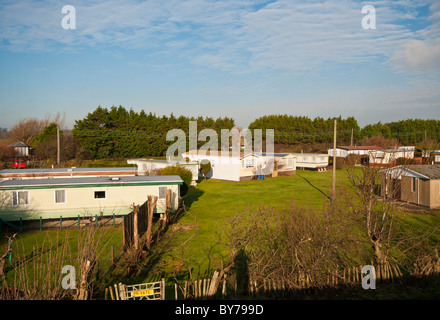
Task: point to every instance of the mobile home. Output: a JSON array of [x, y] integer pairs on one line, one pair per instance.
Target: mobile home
[[31, 199], [73, 172]]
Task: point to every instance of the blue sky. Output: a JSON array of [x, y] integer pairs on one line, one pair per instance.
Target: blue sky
[[241, 59]]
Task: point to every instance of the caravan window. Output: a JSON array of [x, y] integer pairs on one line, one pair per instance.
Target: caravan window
[[100, 195], [290, 162], [60, 196], [162, 192], [249, 163], [20, 198]]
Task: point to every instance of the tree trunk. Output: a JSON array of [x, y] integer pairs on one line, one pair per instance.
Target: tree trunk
[[83, 292], [151, 205]]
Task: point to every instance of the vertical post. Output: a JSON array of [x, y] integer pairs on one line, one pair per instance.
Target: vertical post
[[61, 222], [334, 160], [79, 222], [41, 223], [135, 227], [351, 137], [114, 220], [58, 145], [10, 253], [123, 231], [162, 291]]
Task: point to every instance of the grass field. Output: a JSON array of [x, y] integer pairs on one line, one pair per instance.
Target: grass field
[[212, 203]]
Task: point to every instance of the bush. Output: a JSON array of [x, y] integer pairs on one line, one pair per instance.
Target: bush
[[205, 167], [184, 174]]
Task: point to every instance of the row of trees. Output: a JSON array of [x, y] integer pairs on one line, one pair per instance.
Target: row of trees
[[303, 130], [119, 133], [124, 133], [408, 132]]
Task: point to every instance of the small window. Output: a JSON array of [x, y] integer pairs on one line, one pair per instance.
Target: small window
[[100, 195], [290, 162], [60, 196], [413, 184], [20, 198], [250, 163], [162, 192]]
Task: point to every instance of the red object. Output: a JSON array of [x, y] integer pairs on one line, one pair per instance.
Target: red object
[[19, 165]]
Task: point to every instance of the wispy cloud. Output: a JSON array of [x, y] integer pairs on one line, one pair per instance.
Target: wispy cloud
[[238, 35]]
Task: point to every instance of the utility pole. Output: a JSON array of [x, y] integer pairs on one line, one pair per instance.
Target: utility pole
[[351, 144], [58, 145], [334, 161]]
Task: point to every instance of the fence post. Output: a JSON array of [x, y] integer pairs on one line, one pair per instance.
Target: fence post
[[162, 291], [122, 291], [61, 222], [135, 227], [224, 287]]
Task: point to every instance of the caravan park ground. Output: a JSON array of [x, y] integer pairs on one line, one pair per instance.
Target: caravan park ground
[[195, 240]]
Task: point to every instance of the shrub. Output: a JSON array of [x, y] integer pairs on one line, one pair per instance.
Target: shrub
[[205, 167], [184, 174]]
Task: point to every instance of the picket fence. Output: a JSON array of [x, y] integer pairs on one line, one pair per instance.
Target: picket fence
[[227, 286]]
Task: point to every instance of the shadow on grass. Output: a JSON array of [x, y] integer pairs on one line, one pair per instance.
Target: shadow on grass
[[192, 196], [313, 186]]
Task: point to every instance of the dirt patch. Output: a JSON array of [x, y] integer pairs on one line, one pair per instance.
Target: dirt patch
[[182, 226]]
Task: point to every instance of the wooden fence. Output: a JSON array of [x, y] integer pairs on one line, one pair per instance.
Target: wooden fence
[[209, 288], [140, 220], [222, 288]]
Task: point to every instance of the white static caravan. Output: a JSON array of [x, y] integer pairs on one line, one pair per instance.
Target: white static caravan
[[388, 157], [149, 166], [311, 161], [72, 197], [227, 165], [344, 151], [73, 172]]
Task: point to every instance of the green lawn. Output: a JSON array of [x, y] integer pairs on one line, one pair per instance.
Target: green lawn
[[213, 202]]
